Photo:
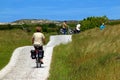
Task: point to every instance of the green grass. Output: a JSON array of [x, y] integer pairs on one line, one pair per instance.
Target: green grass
[[12, 39], [9, 40], [92, 55]]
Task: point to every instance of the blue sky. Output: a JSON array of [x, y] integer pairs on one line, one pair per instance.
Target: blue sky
[[11, 10]]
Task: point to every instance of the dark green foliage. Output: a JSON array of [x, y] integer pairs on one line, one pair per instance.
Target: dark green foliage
[[51, 27], [9, 27], [113, 22], [92, 22]]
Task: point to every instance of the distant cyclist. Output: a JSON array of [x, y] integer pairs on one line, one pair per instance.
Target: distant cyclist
[[38, 40], [102, 26], [64, 27], [78, 28]]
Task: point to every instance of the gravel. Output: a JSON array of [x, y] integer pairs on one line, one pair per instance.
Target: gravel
[[22, 67]]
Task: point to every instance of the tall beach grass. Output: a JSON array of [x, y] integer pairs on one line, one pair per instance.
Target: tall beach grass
[[92, 55], [9, 40]]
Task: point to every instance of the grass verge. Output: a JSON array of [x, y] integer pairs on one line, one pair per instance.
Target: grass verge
[[92, 55], [9, 40]]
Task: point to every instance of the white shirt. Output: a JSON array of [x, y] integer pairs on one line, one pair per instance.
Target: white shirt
[[38, 38], [78, 27]]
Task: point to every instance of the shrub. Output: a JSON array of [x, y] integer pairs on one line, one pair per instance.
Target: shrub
[[92, 22]]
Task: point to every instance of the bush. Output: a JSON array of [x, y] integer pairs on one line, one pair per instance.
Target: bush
[[113, 22], [92, 22], [9, 27]]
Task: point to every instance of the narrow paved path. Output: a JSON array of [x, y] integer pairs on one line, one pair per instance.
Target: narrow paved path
[[22, 67]]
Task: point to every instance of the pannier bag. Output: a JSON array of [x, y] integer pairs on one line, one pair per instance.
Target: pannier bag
[[33, 55], [42, 53]]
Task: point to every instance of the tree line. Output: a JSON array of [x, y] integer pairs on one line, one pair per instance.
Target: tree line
[[86, 23]]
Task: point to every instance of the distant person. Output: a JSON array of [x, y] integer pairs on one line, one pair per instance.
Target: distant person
[[38, 40], [64, 27], [102, 26], [77, 28]]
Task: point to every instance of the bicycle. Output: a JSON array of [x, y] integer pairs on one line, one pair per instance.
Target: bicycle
[[38, 55], [68, 31]]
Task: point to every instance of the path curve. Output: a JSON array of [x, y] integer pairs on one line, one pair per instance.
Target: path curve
[[22, 67]]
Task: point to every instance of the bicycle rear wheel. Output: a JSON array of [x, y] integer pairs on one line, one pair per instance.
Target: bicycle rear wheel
[[37, 62]]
